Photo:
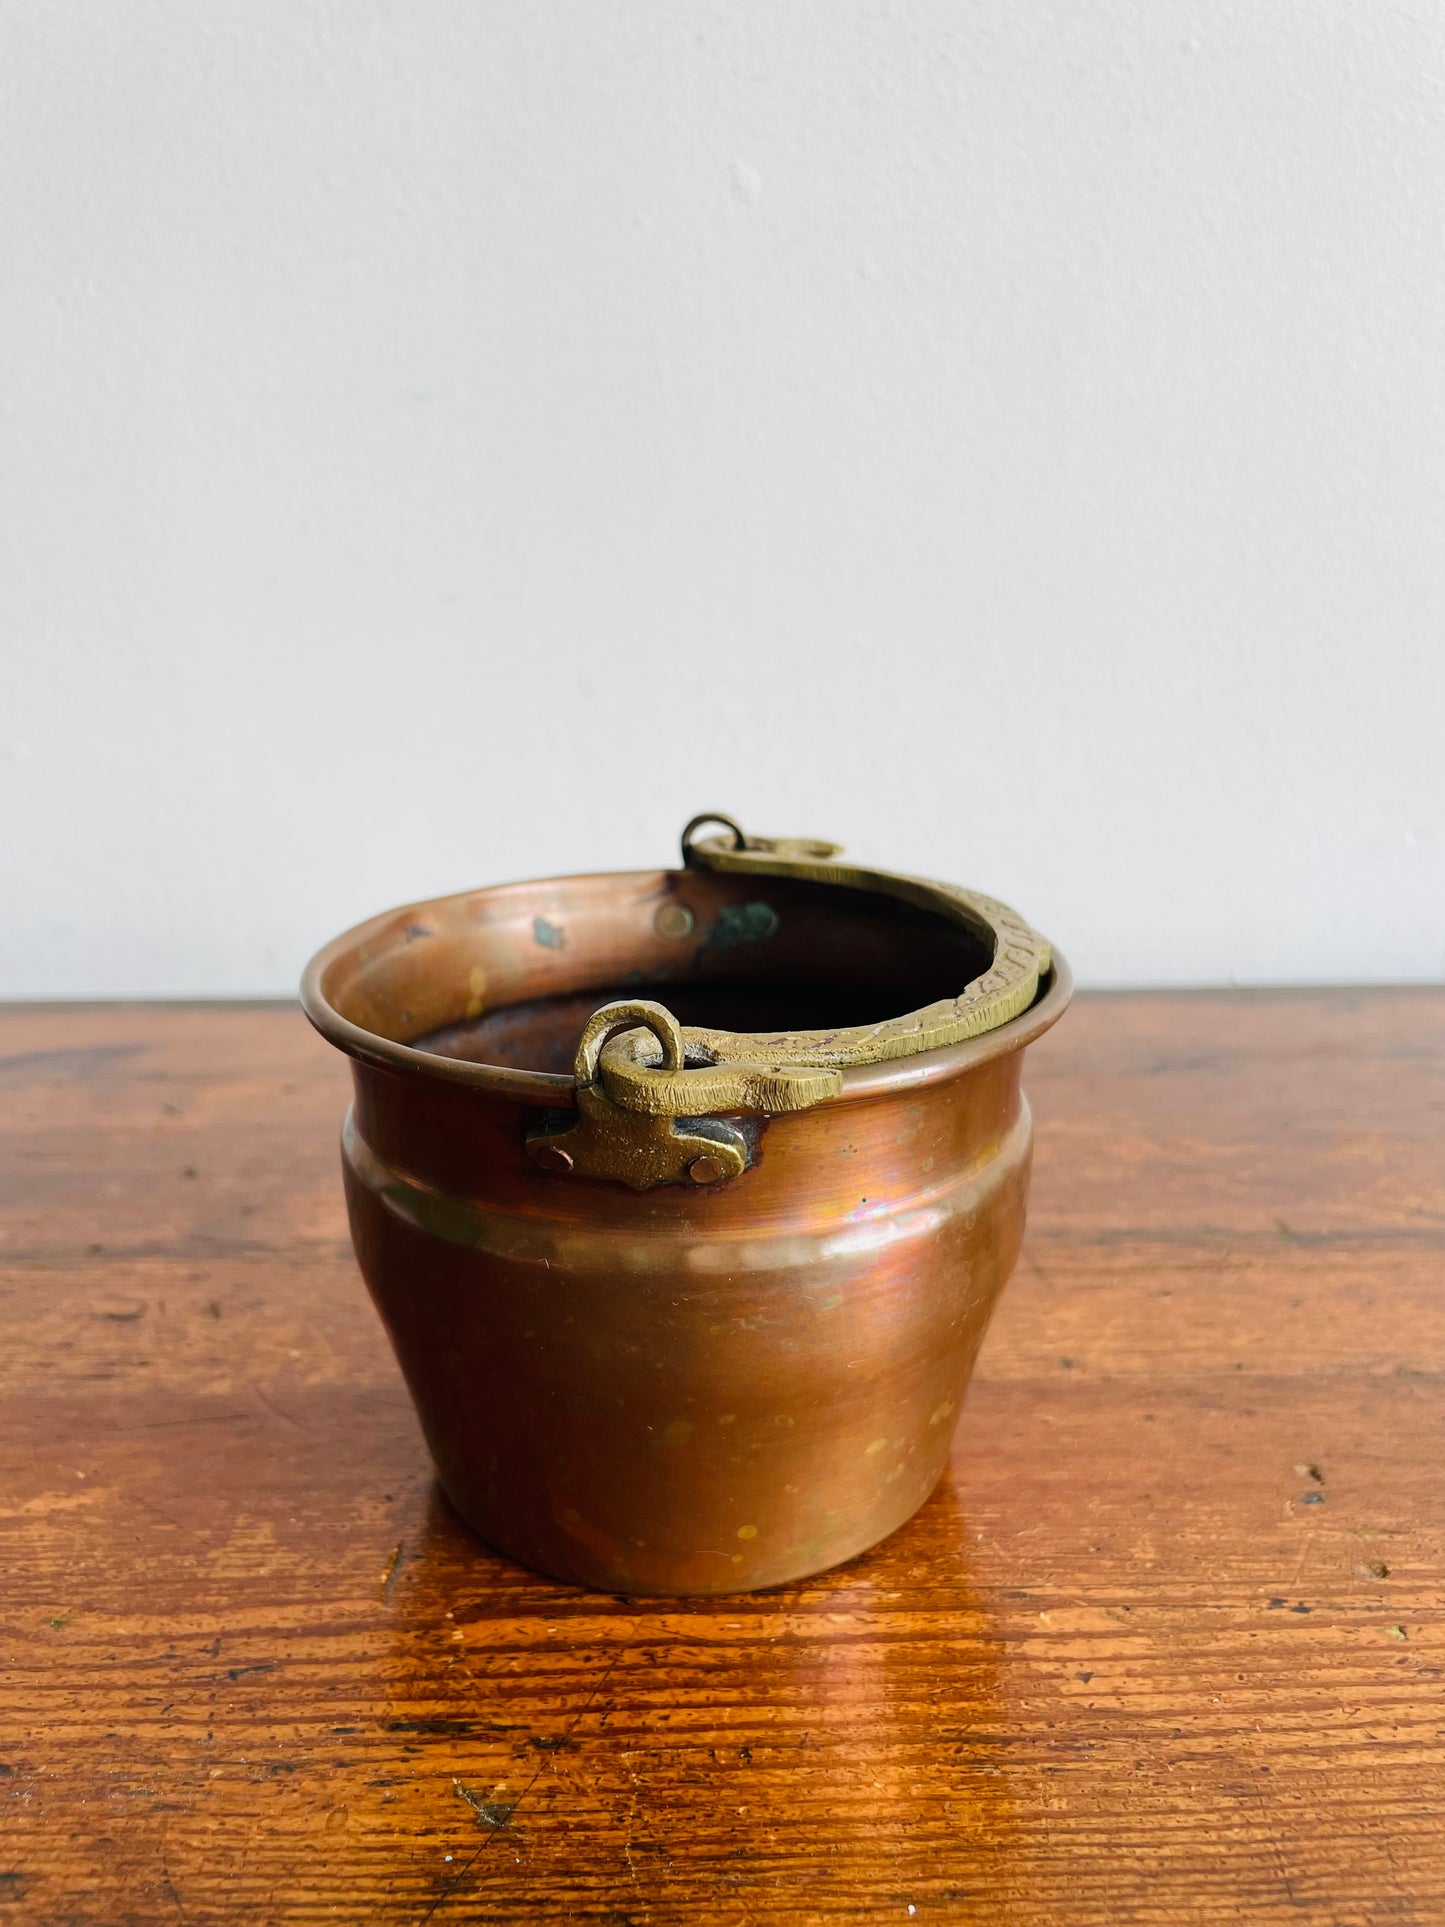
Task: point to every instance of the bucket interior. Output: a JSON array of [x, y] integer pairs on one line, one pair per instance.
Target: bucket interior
[[509, 976]]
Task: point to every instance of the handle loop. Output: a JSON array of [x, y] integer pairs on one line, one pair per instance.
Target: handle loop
[[740, 841], [608, 1019]]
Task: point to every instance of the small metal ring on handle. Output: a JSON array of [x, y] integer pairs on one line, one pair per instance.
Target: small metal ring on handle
[[640, 1013], [755, 852], [634, 1146], [740, 841]]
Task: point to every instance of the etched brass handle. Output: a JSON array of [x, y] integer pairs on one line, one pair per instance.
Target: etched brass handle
[[635, 1080], [723, 1070], [648, 1090], [1019, 956]]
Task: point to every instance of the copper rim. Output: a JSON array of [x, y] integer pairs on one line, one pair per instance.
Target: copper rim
[[549, 1088]]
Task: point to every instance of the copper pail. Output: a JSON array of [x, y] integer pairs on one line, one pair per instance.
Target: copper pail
[[687, 1288]]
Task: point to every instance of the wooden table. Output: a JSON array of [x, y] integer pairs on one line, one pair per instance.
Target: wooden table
[[1167, 1649]]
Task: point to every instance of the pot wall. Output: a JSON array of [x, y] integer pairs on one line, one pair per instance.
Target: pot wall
[[690, 1390]]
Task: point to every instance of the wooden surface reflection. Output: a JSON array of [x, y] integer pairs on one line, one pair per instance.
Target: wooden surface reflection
[[1167, 1649]]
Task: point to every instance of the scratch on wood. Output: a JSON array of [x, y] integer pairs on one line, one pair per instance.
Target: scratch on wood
[[389, 1571], [491, 1813], [272, 1406], [458, 1880], [171, 1893]]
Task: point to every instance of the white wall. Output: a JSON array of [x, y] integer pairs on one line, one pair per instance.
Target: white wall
[[454, 440]]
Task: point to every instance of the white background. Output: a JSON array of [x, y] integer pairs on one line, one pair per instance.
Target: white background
[[455, 440]]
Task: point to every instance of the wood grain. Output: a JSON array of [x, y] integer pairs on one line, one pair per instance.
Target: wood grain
[[1167, 1649]]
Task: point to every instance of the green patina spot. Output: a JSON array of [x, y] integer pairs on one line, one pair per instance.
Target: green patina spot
[[738, 924], [550, 934]]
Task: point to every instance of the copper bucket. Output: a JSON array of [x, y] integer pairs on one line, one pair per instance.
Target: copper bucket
[[687, 1293]]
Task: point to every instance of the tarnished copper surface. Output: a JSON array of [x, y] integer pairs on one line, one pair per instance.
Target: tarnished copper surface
[[720, 1382]]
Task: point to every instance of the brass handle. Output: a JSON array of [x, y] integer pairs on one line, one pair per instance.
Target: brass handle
[[647, 1115], [753, 1082], [1019, 959], [733, 1071], [614, 1056]]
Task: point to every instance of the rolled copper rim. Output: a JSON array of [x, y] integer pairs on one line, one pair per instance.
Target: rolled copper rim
[[552, 1089]]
